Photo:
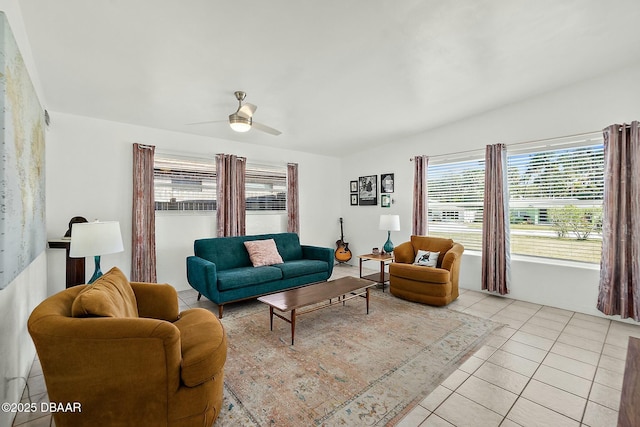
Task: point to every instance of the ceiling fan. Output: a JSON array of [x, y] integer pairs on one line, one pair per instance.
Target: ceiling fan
[[242, 119]]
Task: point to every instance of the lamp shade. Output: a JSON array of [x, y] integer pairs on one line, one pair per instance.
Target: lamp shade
[[95, 238], [239, 123], [389, 222]]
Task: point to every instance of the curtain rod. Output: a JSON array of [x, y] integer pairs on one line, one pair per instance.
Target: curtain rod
[[625, 125], [535, 141]]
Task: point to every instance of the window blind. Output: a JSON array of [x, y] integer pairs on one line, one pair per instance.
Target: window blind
[[189, 184], [455, 194], [266, 187], [555, 202], [184, 184]]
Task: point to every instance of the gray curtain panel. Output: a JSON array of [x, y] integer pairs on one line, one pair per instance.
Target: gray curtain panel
[[620, 262], [420, 201], [143, 234], [495, 223], [293, 214], [230, 199]]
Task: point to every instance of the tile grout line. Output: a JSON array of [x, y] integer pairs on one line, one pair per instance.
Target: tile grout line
[[519, 395], [584, 411], [530, 378], [541, 363]]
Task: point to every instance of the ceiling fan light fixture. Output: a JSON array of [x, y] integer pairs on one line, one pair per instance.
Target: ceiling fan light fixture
[[239, 123]]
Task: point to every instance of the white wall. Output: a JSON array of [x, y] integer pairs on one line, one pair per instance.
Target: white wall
[[583, 107], [19, 298], [89, 174]]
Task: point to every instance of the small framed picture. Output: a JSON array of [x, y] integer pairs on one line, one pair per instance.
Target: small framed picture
[[368, 190], [386, 183], [353, 186], [354, 200], [385, 200]]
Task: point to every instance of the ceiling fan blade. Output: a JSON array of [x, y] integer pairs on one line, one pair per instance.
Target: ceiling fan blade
[[265, 128], [247, 110], [204, 123]]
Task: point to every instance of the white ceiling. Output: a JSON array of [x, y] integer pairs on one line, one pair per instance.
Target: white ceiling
[[335, 76]]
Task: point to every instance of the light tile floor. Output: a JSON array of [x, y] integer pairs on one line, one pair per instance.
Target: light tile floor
[[546, 367]]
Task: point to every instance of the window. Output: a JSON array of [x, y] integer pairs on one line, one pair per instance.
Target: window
[[555, 200], [455, 197], [184, 184], [266, 188]]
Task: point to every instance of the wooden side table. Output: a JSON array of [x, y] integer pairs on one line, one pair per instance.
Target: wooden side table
[[381, 277], [75, 266]]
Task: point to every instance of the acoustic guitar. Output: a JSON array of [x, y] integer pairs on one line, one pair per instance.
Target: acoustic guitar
[[342, 254]]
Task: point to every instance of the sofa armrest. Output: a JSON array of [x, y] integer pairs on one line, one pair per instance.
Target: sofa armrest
[[202, 275], [452, 257], [156, 301], [71, 348], [319, 253], [204, 346], [404, 253]]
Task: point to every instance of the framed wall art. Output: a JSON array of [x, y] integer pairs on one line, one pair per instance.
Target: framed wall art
[[353, 186], [22, 163], [386, 183], [354, 200], [385, 200], [368, 190]]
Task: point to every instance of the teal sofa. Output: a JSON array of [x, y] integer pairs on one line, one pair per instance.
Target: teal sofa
[[221, 269]]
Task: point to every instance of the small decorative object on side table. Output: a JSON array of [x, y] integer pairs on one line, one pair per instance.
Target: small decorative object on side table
[[384, 259]]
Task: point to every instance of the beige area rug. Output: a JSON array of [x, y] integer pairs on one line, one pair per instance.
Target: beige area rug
[[346, 367]]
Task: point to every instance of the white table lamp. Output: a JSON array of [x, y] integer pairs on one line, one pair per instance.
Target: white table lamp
[[95, 239]]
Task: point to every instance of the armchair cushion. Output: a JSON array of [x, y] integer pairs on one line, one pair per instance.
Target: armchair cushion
[[421, 273], [203, 344], [109, 296]]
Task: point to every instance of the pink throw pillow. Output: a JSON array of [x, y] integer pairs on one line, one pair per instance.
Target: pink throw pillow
[[263, 252]]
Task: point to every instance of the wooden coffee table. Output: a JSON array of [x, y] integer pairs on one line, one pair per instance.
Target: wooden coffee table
[[293, 299]]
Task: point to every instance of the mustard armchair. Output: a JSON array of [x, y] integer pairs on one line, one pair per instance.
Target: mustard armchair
[[429, 285], [125, 356]]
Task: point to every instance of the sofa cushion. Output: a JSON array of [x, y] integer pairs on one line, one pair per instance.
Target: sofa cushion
[[203, 344], [247, 276], [109, 296], [263, 252], [302, 267], [288, 245], [225, 252]]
